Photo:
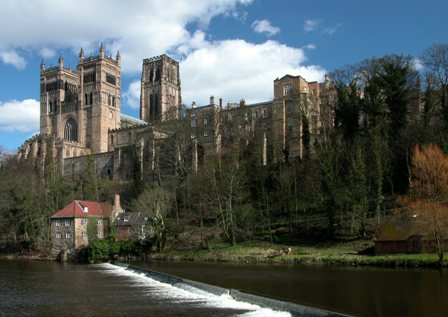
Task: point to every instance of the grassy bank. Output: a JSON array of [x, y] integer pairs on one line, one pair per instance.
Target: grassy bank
[[336, 253]]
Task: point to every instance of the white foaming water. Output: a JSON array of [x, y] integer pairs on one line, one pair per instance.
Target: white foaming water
[[191, 295]]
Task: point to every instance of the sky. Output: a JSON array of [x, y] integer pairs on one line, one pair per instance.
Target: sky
[[231, 49]]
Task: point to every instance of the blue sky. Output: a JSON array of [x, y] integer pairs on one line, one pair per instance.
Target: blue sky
[[232, 49]]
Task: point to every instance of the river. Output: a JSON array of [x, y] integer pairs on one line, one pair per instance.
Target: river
[[53, 289]]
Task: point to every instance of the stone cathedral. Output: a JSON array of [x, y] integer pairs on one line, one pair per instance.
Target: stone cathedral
[[80, 118]]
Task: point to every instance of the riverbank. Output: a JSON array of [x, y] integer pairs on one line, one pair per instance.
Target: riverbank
[[344, 253], [335, 253], [31, 256]]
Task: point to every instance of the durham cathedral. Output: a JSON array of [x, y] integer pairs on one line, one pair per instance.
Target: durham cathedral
[[81, 121]]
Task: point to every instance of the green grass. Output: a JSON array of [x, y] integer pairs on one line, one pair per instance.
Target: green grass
[[339, 253]]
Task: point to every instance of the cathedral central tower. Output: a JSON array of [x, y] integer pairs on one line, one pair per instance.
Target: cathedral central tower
[[160, 97]]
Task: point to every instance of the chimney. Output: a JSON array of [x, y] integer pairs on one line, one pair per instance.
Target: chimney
[[242, 103], [116, 208], [212, 100], [220, 103], [193, 105]]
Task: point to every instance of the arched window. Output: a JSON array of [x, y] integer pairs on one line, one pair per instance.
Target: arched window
[[71, 130], [157, 74]]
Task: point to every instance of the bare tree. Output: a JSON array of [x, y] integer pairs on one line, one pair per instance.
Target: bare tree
[[435, 58], [156, 203]]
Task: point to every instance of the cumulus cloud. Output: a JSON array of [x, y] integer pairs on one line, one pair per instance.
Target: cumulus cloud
[[310, 25], [46, 52], [235, 69], [143, 29], [264, 26], [11, 57], [19, 116], [132, 94]]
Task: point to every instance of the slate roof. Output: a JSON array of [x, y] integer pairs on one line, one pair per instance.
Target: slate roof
[[84, 209], [131, 219]]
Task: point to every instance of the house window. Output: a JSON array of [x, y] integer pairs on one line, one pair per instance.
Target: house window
[[57, 223], [205, 132], [288, 106], [193, 114], [99, 222], [67, 223], [98, 234], [112, 139], [84, 234], [68, 235], [126, 218], [193, 123], [287, 89], [193, 134], [58, 235], [205, 121], [84, 222]]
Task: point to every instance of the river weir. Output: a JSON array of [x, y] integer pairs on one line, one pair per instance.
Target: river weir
[[232, 298], [52, 289]]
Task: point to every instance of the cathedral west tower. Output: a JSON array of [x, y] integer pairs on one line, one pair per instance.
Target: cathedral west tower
[[99, 92]]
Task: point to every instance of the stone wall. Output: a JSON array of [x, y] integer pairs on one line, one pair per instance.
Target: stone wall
[[102, 164]]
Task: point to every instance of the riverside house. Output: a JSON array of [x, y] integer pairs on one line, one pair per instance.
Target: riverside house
[[69, 225], [132, 225], [407, 237]]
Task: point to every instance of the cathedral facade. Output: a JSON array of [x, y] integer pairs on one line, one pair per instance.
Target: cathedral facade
[[80, 118]]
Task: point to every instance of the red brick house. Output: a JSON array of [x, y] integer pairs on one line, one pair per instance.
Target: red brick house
[[69, 225]]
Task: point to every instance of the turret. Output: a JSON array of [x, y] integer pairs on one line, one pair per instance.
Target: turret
[[101, 50], [60, 61], [118, 58], [42, 66], [81, 55]]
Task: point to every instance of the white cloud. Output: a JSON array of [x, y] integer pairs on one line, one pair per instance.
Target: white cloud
[[144, 29], [132, 94], [418, 64], [333, 29], [310, 25], [46, 52], [310, 46], [20, 116], [235, 69], [11, 57], [264, 26]]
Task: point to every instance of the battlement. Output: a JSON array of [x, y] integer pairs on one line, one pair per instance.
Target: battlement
[[56, 68], [94, 58], [159, 58]]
